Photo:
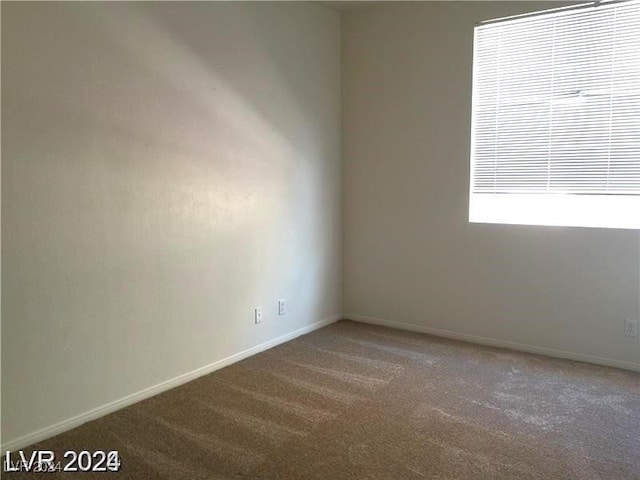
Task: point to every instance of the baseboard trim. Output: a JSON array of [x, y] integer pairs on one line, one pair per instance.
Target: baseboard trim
[[551, 352], [76, 421]]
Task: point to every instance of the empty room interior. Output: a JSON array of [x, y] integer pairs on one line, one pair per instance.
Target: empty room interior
[[321, 240]]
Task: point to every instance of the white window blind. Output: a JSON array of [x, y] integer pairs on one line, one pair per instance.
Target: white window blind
[[556, 118]]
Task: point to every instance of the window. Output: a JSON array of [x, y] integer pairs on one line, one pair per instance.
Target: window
[[556, 118]]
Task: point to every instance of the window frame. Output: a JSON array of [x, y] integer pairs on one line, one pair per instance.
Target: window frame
[[600, 210]]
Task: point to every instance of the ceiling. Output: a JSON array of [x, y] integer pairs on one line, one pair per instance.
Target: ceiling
[[347, 6]]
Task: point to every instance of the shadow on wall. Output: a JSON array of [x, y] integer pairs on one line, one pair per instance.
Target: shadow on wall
[[164, 168], [174, 119]]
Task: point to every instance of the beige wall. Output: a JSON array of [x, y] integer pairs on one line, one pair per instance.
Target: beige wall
[[166, 168], [410, 254]]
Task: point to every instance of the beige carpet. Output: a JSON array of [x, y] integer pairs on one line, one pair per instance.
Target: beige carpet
[[353, 401]]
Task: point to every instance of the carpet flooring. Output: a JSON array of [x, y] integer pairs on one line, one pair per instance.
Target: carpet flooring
[[355, 401]]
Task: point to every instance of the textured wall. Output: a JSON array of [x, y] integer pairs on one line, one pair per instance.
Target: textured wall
[[166, 167], [410, 254]]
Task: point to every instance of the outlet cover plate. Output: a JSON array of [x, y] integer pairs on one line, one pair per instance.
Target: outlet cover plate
[[631, 328], [282, 306]]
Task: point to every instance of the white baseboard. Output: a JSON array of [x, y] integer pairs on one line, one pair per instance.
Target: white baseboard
[[111, 407], [551, 352]]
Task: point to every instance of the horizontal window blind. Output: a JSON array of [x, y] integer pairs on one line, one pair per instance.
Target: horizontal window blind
[[556, 104]]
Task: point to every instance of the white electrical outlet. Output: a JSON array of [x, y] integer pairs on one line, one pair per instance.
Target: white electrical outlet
[[258, 314], [630, 328], [282, 306]]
